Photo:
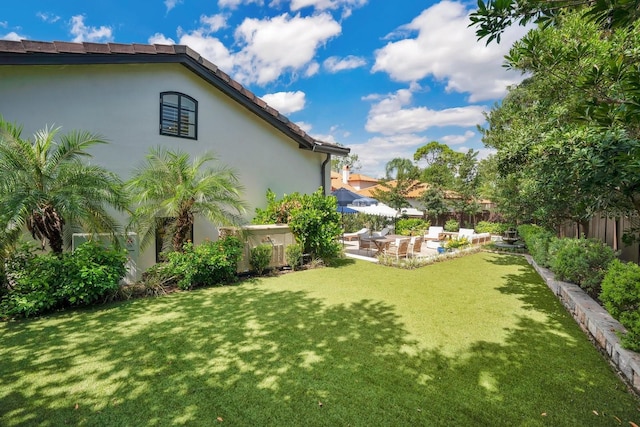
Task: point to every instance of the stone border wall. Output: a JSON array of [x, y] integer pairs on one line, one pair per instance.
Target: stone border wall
[[597, 322]]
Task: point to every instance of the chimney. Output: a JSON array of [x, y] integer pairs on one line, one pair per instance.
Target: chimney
[[345, 174]]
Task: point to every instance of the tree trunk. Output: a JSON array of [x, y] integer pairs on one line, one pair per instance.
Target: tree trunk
[[46, 224], [184, 223]]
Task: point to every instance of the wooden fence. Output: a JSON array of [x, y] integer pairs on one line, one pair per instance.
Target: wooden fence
[[610, 231]]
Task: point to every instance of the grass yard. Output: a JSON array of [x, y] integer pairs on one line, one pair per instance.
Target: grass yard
[[478, 340]]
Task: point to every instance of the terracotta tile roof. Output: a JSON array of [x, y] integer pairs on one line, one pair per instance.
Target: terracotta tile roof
[[362, 178], [413, 194], [30, 52]]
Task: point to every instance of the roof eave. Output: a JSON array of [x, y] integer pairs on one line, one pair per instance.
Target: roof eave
[[176, 54]]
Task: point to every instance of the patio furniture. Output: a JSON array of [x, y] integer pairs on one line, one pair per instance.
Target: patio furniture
[[381, 233], [378, 242], [474, 237], [398, 249], [355, 236], [415, 246], [433, 233]]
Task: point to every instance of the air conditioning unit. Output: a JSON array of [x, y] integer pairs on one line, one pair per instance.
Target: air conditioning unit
[[129, 241]]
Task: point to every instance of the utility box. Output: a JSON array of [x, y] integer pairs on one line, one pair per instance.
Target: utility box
[[278, 236], [129, 241]]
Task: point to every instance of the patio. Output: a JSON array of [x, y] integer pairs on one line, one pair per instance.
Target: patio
[[352, 250]]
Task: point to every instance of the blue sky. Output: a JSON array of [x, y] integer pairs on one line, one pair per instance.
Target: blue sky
[[381, 77]]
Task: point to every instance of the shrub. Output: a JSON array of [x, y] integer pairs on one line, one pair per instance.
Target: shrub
[[537, 240], [621, 297], [452, 225], [497, 228], [35, 288], [260, 257], [313, 219], [46, 282], [209, 263], [294, 255], [412, 226], [581, 261], [91, 272]]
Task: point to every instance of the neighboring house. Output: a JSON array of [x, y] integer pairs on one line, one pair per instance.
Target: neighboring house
[[351, 181], [137, 96]]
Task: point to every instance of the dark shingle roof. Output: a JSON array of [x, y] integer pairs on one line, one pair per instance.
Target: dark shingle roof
[[29, 52]]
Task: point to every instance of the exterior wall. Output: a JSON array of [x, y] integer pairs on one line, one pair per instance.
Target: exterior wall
[[121, 103]]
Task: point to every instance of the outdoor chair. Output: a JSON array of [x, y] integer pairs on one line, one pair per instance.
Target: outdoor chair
[[381, 233], [398, 249], [355, 236], [415, 246], [433, 233]]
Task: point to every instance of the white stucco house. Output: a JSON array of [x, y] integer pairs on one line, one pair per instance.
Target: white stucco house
[[137, 96]]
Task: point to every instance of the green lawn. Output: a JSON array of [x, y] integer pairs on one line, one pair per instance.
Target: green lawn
[[478, 340]]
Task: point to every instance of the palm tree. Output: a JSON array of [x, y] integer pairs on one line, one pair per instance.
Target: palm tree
[[170, 185], [45, 186]]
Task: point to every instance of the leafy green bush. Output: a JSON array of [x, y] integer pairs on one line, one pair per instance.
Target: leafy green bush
[[537, 240], [209, 263], [621, 297], [91, 272], [451, 225], [313, 219], [260, 257], [294, 255], [412, 226], [35, 288], [47, 282], [581, 261], [497, 228]]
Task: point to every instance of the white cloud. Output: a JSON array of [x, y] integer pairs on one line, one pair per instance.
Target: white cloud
[[312, 69], [159, 38], [48, 17], [209, 47], [4, 24], [279, 44], [202, 41], [170, 4], [83, 33], [348, 5], [232, 4], [377, 151], [392, 116], [214, 22], [305, 126], [13, 36], [334, 64], [286, 102], [457, 139], [446, 48]]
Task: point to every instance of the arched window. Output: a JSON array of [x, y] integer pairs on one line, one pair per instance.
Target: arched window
[[178, 115]]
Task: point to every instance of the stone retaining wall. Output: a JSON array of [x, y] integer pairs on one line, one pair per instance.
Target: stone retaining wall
[[597, 322]]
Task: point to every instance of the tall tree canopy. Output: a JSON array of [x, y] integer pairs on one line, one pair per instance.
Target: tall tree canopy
[[494, 16], [567, 137], [49, 189]]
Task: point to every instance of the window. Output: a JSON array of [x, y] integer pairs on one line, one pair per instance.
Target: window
[[178, 115]]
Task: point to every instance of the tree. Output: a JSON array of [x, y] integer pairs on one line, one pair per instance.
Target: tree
[[401, 179], [441, 164], [171, 185], [47, 188], [568, 134], [351, 160], [494, 16]]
